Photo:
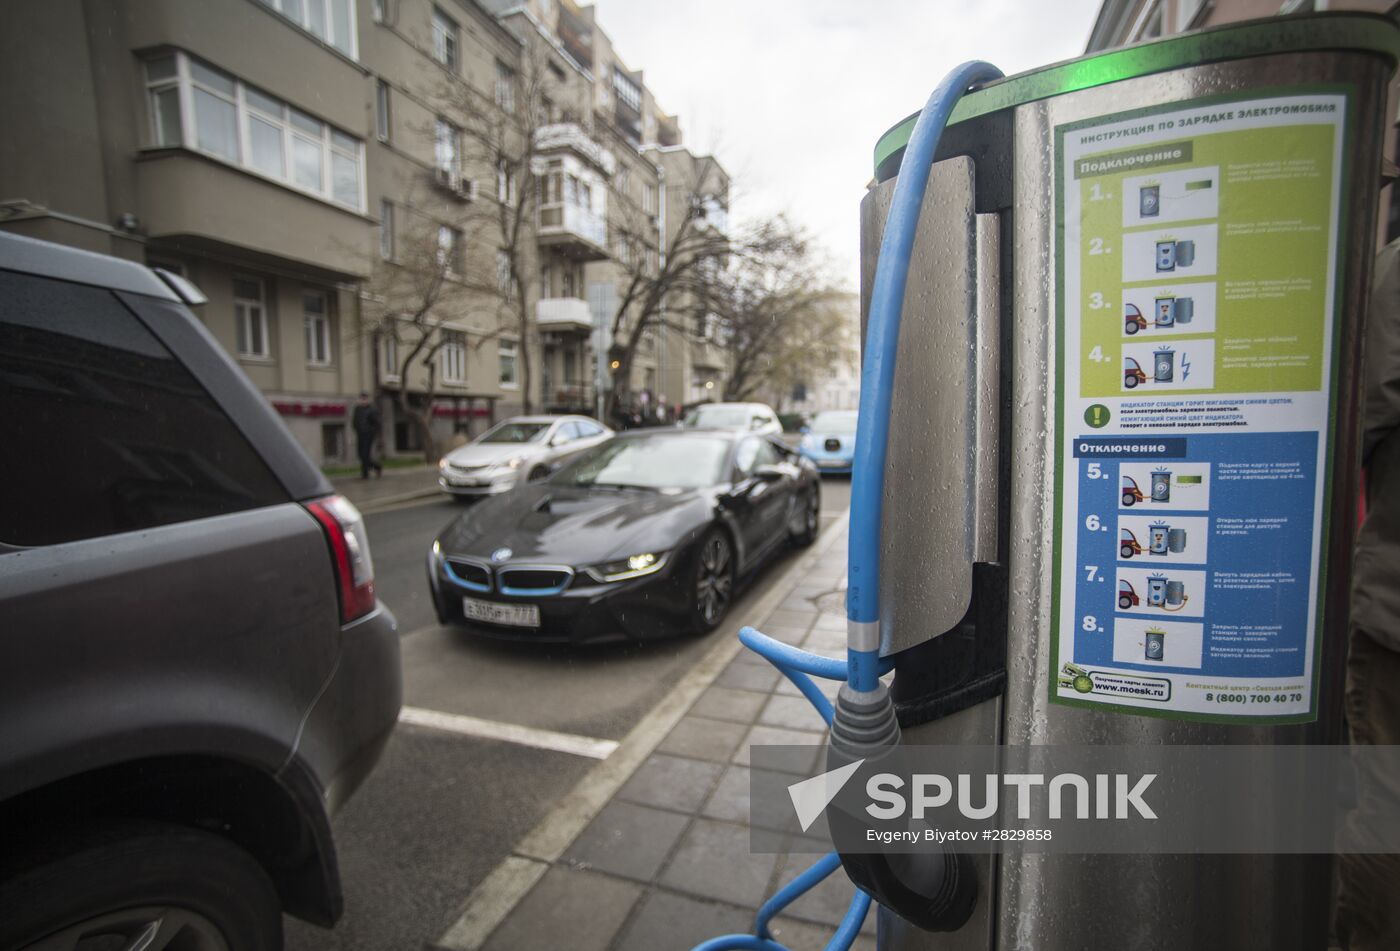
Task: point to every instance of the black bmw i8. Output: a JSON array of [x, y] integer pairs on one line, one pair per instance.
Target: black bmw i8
[[643, 536]]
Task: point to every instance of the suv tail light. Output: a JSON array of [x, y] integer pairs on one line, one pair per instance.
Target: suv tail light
[[354, 571]]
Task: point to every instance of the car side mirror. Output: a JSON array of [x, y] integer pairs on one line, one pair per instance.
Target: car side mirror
[[804, 429], [768, 473]]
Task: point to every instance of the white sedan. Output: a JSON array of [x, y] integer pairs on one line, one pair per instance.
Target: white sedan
[[520, 449]]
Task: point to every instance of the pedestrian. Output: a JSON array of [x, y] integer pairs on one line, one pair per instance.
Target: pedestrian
[[1368, 902], [366, 423]]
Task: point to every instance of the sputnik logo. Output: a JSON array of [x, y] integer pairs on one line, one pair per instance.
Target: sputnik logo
[[811, 796]]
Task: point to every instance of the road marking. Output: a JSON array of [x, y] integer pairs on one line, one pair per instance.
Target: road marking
[[492, 900], [500, 891], [509, 733]]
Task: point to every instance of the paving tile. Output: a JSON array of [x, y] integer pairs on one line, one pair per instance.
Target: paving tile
[[788, 635], [701, 738], [628, 840], [569, 908], [790, 618], [800, 759], [826, 902], [797, 602], [821, 638], [731, 801], [830, 622], [664, 921], [802, 936], [749, 677], [794, 713], [714, 861], [725, 703], [829, 688], [671, 782]]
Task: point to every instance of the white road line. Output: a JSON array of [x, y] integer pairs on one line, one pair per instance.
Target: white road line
[[509, 732]]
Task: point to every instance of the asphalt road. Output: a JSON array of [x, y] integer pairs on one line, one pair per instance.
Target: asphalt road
[[443, 808]]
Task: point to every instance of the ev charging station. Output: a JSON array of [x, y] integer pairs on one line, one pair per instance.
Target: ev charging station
[[1043, 474], [1061, 202]]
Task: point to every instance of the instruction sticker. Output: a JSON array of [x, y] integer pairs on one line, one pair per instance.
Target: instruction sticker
[[1197, 267]]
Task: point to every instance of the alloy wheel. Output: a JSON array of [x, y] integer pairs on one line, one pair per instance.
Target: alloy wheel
[[153, 928], [714, 581]]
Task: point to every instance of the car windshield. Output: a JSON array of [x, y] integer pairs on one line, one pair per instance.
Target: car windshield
[[662, 461], [516, 432], [718, 417], [834, 423]]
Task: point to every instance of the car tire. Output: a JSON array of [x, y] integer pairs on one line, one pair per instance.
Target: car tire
[[138, 880], [538, 473], [808, 510], [1126, 551], [713, 573], [1130, 328], [1128, 499]]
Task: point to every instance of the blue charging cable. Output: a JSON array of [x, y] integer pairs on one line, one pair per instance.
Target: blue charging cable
[[863, 666]]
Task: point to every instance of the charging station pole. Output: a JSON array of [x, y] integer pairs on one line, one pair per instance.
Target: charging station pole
[[1233, 174]]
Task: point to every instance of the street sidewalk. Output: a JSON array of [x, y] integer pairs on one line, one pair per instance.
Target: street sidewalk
[[663, 861], [396, 485]]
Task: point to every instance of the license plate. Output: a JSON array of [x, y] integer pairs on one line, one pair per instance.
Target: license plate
[[832, 463], [516, 615]]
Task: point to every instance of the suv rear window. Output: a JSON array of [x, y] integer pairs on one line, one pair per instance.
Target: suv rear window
[[103, 430]]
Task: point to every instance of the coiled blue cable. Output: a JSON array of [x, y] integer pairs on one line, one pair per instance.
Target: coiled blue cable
[[863, 666]]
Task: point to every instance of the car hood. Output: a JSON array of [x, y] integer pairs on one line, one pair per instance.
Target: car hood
[[491, 453], [543, 523]]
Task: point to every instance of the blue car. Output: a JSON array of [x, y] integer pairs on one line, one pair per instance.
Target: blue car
[[830, 441]]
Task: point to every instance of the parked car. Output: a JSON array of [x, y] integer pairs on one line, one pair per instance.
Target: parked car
[[830, 441], [521, 449], [196, 671], [644, 536], [741, 417]]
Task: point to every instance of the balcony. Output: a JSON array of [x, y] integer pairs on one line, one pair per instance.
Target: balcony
[[564, 315], [570, 398], [570, 136], [573, 230]]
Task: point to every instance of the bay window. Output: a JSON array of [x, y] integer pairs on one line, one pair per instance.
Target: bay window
[[329, 20], [201, 107]]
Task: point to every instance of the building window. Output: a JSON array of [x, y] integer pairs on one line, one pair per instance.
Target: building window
[[381, 110], [318, 329], [506, 349], [250, 316], [192, 102], [378, 10], [446, 151], [444, 39], [627, 90], [163, 90], [449, 249], [546, 281], [503, 281], [332, 441], [505, 86], [505, 183], [329, 20], [454, 357], [386, 229], [389, 357]]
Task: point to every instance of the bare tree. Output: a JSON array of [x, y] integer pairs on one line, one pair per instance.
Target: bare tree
[[502, 138], [419, 300], [781, 320], [666, 280]]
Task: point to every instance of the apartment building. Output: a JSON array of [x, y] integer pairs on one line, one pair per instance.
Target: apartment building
[[1120, 22], [325, 170]]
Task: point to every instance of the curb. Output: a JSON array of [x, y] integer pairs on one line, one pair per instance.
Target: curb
[[495, 898]]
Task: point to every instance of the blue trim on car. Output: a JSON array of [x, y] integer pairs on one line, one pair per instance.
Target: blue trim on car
[[463, 582]]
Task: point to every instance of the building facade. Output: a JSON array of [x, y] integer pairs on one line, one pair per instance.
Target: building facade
[[409, 198], [1120, 22]]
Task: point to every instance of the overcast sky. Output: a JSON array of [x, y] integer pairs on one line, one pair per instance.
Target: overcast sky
[[791, 95]]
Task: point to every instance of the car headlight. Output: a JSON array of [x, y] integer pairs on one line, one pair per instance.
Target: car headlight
[[442, 464], [635, 566], [513, 462], [808, 442]]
